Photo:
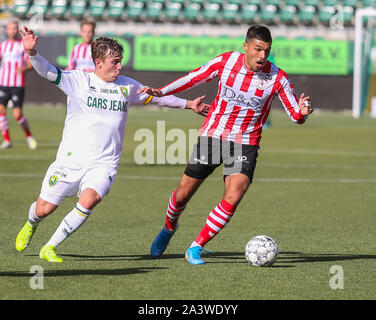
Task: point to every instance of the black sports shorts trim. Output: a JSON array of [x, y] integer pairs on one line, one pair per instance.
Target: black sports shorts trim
[[209, 153], [16, 94]]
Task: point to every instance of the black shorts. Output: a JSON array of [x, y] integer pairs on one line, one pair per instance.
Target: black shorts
[[16, 94], [209, 153]]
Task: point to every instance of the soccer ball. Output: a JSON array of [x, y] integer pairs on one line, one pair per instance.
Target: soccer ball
[[261, 251]]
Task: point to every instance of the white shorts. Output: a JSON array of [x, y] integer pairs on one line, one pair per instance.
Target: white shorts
[[62, 181]]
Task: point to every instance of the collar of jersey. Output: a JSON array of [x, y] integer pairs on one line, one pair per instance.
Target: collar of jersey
[[112, 84]]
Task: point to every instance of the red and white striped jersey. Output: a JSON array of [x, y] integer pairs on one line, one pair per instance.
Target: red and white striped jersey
[[13, 56], [244, 97], [80, 58]]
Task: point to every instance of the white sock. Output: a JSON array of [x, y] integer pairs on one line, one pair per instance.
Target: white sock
[[72, 221], [195, 244], [33, 218]]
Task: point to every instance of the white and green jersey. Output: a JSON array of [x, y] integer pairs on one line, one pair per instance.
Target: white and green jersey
[[96, 113]]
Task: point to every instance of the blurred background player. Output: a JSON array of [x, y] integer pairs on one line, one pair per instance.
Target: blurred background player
[[14, 64], [80, 58], [230, 133]]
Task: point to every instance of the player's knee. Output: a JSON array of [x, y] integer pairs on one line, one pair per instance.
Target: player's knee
[[89, 199], [17, 115], [234, 197], [43, 209], [182, 196]]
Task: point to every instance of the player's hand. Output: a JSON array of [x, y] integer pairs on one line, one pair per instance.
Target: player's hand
[[305, 105], [20, 70], [29, 41], [197, 105], [151, 91]]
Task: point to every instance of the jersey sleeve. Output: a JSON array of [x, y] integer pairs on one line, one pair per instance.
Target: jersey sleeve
[[142, 99], [205, 73], [69, 81], [134, 97], [289, 100]]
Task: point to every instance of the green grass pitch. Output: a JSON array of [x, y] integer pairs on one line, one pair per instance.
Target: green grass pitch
[[313, 192]]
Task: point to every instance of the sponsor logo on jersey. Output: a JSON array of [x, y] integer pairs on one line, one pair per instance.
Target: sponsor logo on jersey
[[109, 91], [124, 91], [104, 104], [264, 76], [253, 103]]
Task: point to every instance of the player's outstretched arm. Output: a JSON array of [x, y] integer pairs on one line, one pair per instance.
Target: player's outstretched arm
[[150, 91], [41, 65], [29, 41], [196, 77], [197, 105]]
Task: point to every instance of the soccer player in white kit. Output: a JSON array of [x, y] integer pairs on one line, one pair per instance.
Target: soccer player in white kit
[[231, 132], [91, 146]]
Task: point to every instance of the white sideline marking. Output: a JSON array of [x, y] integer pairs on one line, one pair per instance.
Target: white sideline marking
[[161, 178], [342, 153], [263, 164], [322, 152], [315, 166]]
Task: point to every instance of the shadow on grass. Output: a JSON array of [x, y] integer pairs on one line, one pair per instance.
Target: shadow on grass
[[123, 257], [299, 257], [286, 259], [82, 272]]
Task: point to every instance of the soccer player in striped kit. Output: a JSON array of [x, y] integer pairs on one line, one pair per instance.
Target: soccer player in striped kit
[[80, 58], [14, 64], [230, 133]]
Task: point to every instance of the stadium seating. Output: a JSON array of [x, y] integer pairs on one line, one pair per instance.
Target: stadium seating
[[38, 6], [116, 9], [21, 7], [134, 10], [153, 10], [287, 14], [77, 8], [230, 12], [58, 8], [350, 3], [290, 12], [210, 12], [325, 14], [173, 11], [307, 14], [97, 8], [192, 11], [268, 13], [248, 13], [369, 3]]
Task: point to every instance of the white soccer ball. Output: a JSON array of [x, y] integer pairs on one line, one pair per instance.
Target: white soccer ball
[[261, 251]]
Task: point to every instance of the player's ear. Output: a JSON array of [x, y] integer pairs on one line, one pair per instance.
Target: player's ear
[[245, 46], [98, 62]]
